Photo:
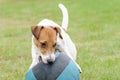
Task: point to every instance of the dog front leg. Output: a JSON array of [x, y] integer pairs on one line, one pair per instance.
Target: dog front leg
[[35, 57]]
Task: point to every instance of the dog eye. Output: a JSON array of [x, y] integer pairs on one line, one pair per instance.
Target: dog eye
[[54, 45], [43, 45]]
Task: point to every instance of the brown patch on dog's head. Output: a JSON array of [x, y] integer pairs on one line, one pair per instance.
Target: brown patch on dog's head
[[45, 38], [58, 31], [36, 31]]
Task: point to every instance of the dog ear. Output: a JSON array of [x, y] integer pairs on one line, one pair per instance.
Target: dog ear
[[58, 31], [36, 30]]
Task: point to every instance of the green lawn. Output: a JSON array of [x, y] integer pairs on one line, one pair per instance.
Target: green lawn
[[94, 26]]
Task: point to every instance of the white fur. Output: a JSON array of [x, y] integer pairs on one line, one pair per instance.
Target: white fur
[[65, 16], [65, 45]]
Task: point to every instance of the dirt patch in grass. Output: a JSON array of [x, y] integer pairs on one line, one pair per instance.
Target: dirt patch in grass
[[12, 22]]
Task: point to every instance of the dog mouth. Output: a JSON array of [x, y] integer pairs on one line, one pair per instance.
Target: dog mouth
[[40, 58], [49, 61]]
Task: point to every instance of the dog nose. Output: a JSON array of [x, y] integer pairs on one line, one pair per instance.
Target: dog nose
[[50, 61]]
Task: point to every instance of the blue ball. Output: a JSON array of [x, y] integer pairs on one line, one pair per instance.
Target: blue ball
[[62, 69]]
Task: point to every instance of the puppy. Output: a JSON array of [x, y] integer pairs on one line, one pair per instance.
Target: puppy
[[48, 36]]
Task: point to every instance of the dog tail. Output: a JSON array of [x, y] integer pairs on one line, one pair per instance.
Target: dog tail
[[65, 16]]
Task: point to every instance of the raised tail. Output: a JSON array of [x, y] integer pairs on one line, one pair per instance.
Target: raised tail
[[65, 16]]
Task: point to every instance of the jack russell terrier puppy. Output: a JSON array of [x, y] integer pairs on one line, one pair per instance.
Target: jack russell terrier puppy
[[48, 36]]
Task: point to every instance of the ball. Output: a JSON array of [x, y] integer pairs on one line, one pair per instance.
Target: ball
[[62, 69]]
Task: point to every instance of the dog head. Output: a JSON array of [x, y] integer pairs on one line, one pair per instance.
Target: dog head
[[45, 39]]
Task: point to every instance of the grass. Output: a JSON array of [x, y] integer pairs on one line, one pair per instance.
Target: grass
[[94, 26]]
